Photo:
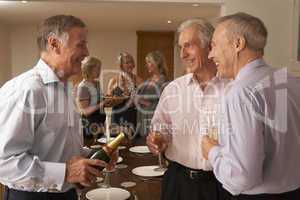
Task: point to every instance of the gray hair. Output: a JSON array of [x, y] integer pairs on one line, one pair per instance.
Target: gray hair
[[158, 59], [249, 27], [57, 26], [205, 29], [88, 64]]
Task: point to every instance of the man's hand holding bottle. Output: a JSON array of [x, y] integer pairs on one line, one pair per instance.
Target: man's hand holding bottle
[[84, 171]]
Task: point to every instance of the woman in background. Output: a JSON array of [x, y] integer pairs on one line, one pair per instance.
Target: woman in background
[[90, 97], [124, 84], [150, 91]]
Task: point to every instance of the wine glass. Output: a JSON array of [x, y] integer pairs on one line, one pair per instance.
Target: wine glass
[[212, 129], [158, 139], [108, 113], [109, 169]]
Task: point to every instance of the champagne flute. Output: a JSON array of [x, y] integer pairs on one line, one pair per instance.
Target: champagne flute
[[212, 130], [158, 139], [108, 113], [108, 170], [161, 166], [106, 182]]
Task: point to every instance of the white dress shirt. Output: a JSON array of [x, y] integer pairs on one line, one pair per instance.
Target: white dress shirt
[[184, 111], [40, 131], [260, 139]]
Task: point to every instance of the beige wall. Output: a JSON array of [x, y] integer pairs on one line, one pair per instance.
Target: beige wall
[[107, 46], [5, 65], [279, 18], [23, 48], [104, 45]]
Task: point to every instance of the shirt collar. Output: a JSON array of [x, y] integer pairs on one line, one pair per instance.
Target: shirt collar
[[249, 67], [46, 73], [190, 79]]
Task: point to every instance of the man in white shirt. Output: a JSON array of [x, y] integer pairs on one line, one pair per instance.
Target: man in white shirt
[[41, 146], [184, 112], [258, 152]]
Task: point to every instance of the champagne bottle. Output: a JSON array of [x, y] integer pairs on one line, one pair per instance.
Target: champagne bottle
[[106, 151]]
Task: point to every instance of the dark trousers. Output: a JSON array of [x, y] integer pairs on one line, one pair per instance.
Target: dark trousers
[[11, 194], [179, 184], [292, 195]]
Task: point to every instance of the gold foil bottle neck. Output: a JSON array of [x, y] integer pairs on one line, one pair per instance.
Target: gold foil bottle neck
[[116, 142]]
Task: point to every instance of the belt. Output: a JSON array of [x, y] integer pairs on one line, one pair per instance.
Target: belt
[[194, 174]]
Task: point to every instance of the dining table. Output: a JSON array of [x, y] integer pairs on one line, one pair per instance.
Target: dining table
[[146, 188]]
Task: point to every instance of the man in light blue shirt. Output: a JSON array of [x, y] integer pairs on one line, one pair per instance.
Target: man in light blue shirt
[[257, 154], [41, 146]]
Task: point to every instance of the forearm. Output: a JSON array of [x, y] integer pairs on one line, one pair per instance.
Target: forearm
[[90, 109], [236, 173]]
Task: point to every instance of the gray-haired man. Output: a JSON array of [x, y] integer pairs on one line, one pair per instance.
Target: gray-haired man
[[182, 117], [41, 154], [258, 154]]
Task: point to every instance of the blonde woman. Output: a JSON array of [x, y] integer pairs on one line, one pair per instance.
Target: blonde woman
[[125, 84], [150, 91], [90, 97]]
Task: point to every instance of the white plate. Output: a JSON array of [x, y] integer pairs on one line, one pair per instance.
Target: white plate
[[147, 171], [108, 194], [139, 149], [103, 140], [120, 159]]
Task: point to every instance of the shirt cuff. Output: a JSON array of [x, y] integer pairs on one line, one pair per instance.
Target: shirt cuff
[[54, 175], [213, 154]]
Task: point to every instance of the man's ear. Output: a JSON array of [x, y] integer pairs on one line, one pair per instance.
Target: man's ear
[[239, 44], [54, 45]]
